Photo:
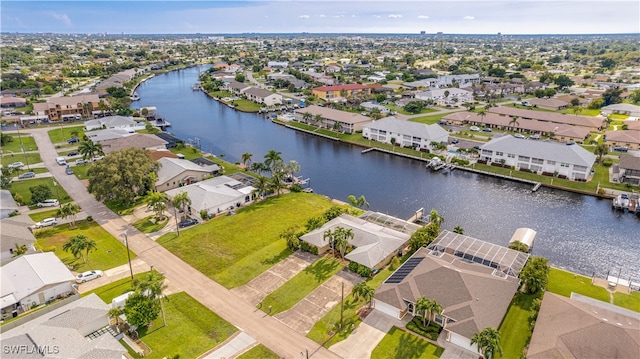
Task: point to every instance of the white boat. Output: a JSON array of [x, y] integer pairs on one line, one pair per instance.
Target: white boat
[[621, 202], [135, 97]]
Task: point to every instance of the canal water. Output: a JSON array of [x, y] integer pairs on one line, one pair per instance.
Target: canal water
[[575, 232]]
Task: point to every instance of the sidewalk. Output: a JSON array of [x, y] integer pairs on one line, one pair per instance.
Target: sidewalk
[[232, 347]]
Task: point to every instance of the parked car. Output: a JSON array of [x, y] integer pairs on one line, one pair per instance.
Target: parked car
[[73, 140], [48, 203], [16, 165], [81, 161], [187, 222], [98, 158], [517, 135], [47, 222], [486, 129], [68, 170], [454, 141], [88, 275], [534, 137], [73, 153], [27, 175], [61, 161], [475, 128]]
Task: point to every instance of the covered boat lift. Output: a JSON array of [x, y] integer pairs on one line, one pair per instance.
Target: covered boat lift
[[524, 236]]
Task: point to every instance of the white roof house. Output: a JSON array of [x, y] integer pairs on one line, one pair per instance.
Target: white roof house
[[98, 136], [126, 122], [446, 96], [373, 243], [15, 231], [216, 195], [263, 96], [370, 106], [622, 108], [569, 161], [33, 278], [7, 204], [176, 172], [74, 330], [405, 133]]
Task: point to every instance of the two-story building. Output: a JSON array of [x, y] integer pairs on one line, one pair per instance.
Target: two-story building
[[338, 92], [68, 108], [405, 133], [336, 120]]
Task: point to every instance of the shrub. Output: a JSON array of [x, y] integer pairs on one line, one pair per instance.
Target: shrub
[[431, 332], [353, 266], [395, 263], [314, 250], [364, 271], [203, 214], [296, 187], [89, 219], [304, 246], [607, 162]]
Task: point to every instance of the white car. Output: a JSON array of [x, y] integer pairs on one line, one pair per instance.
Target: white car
[[48, 203], [475, 128], [47, 222], [16, 165], [517, 135], [88, 275]]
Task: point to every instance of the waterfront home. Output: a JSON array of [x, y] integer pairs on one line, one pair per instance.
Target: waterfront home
[[405, 133], [15, 233], [582, 327], [97, 136], [216, 195], [236, 87], [621, 108], [370, 106], [340, 121], [625, 138], [629, 170], [445, 96], [592, 123], [78, 329], [374, 245], [137, 140], [176, 172], [541, 157], [266, 97], [474, 282], [31, 280], [339, 92], [113, 122], [67, 108]]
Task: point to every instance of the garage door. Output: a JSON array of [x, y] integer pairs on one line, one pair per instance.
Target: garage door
[[387, 309], [462, 342]]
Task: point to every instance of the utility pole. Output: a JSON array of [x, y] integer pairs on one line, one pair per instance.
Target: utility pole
[[57, 193], [175, 214], [126, 242], [342, 306]]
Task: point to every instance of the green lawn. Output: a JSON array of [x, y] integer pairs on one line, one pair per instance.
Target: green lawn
[[232, 250], [26, 158], [303, 283], [22, 188], [146, 226], [28, 143], [259, 351], [400, 344], [81, 170], [402, 111], [247, 106], [429, 120], [110, 251], [192, 329], [563, 283], [39, 216], [629, 301], [514, 329], [115, 289], [189, 153], [62, 134]]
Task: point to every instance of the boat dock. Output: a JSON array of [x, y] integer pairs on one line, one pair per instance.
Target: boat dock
[[628, 202]]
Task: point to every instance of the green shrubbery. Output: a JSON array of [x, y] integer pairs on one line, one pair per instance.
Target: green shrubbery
[[431, 332]]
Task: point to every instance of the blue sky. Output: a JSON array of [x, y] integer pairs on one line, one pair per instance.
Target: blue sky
[[326, 16]]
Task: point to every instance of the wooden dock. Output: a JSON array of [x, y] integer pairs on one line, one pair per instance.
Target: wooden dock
[[536, 187]]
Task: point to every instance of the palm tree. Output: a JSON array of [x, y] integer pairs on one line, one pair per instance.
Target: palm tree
[[292, 168], [458, 230], [271, 158], [317, 120], [342, 236], [434, 310], [423, 306], [307, 116], [153, 287], [261, 185], [600, 150], [277, 182], [246, 157], [259, 167], [89, 149], [359, 202], [69, 210], [363, 290], [181, 200], [514, 122], [116, 312], [435, 217], [158, 202], [77, 244], [482, 114], [329, 235], [487, 341]]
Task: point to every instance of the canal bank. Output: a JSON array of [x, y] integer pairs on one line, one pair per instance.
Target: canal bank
[[575, 232]]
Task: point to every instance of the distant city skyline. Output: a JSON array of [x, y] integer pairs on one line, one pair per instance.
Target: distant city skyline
[[327, 16]]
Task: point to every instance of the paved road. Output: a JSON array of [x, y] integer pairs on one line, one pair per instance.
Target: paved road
[[267, 330]]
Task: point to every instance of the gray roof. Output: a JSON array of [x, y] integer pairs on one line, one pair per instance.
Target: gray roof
[[64, 332], [6, 201], [372, 242], [16, 230], [553, 151], [634, 110], [214, 192], [334, 115], [258, 92], [630, 162], [428, 132], [98, 136], [137, 140], [172, 167], [469, 292]]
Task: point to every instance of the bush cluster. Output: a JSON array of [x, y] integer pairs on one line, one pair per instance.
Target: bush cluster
[[431, 332]]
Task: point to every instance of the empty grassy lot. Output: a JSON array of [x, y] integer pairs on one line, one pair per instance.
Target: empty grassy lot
[[28, 143], [400, 344], [22, 188], [146, 226], [232, 250], [259, 351], [110, 251], [29, 158], [303, 283], [62, 134]]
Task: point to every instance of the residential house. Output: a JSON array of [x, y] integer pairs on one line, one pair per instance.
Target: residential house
[[336, 120], [278, 64], [374, 245], [548, 103], [626, 138], [370, 106], [216, 195], [405, 133], [176, 172], [172, 141], [77, 330], [236, 87], [629, 169], [137, 140], [621, 108], [547, 158], [592, 123], [33, 279], [158, 154], [15, 232], [7, 204], [97, 136], [581, 327], [68, 108], [446, 96], [263, 96], [474, 282], [12, 102], [339, 92], [114, 122]]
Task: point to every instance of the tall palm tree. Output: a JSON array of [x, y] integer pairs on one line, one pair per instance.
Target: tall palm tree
[[79, 244], [487, 341], [271, 158], [514, 122], [329, 235], [434, 309], [158, 202], [317, 120], [89, 149], [261, 185], [181, 200], [458, 230], [600, 150], [482, 114], [422, 307], [69, 210], [359, 202], [292, 168], [307, 116], [246, 157], [259, 167], [116, 312], [363, 290], [435, 217], [341, 237], [153, 286]]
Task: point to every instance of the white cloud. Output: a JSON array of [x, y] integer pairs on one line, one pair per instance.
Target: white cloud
[[304, 16], [323, 15], [395, 16], [423, 16], [469, 17], [377, 16], [338, 16], [62, 17]]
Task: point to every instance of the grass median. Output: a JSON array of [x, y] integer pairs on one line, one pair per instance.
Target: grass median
[[232, 250]]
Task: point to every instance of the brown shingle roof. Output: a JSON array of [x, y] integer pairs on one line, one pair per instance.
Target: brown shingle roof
[[138, 140], [630, 162], [585, 121], [335, 115]]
